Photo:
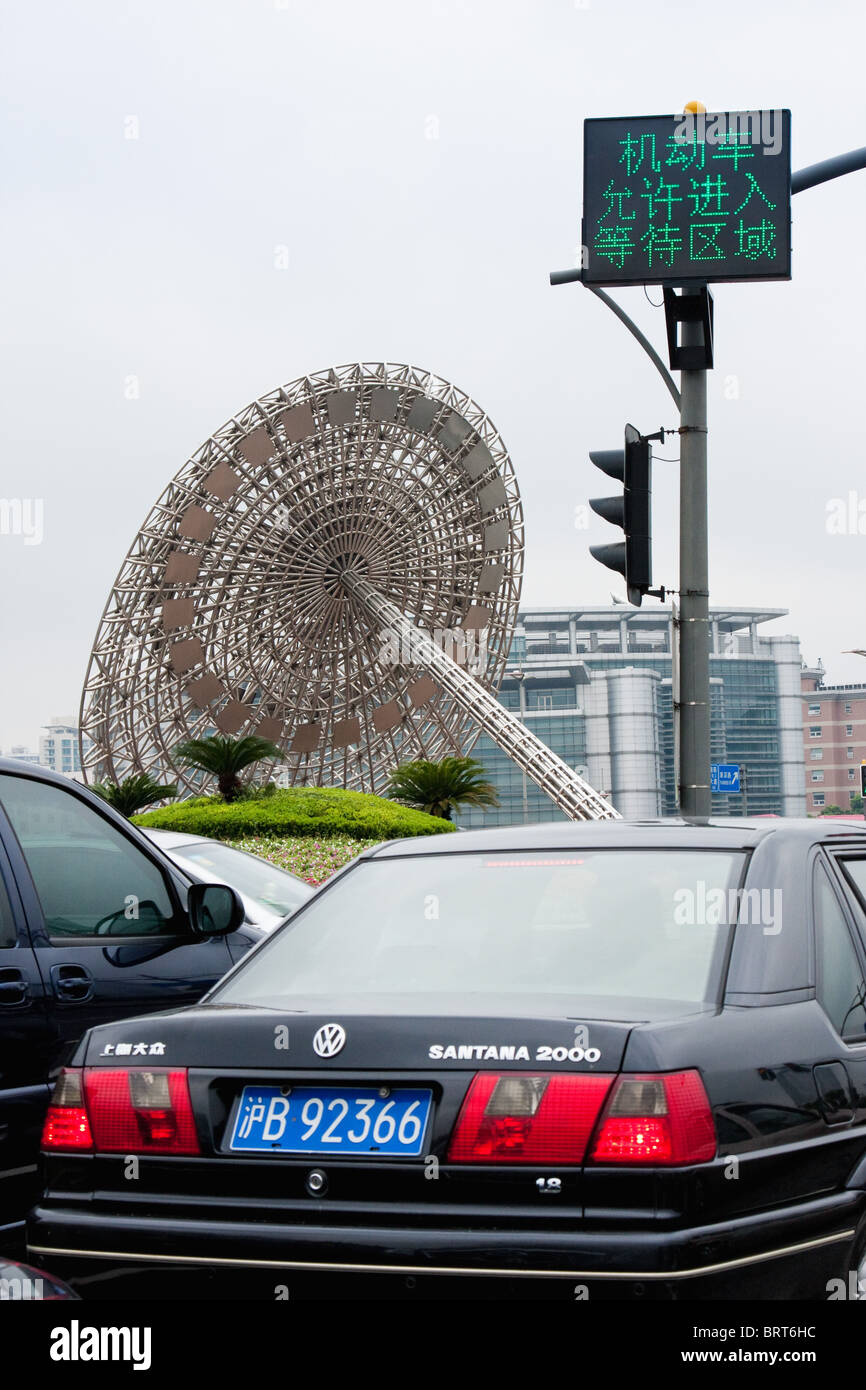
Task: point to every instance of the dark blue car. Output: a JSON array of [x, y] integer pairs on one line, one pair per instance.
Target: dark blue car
[[96, 924]]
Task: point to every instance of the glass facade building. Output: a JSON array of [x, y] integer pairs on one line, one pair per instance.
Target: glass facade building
[[596, 685]]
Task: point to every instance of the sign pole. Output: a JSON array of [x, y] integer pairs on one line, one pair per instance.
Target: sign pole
[[683, 202], [675, 690], [694, 624]]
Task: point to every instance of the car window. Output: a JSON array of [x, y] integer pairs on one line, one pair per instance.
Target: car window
[[841, 987], [854, 884], [622, 924], [91, 880]]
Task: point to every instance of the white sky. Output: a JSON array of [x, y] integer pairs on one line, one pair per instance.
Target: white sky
[[307, 124]]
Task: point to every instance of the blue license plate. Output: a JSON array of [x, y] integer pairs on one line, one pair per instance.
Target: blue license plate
[[325, 1120]]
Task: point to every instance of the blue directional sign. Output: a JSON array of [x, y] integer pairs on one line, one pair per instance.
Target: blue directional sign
[[724, 777]]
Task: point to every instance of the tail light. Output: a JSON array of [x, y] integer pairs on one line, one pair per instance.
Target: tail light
[[140, 1111], [66, 1124], [521, 1118], [663, 1120], [122, 1111]]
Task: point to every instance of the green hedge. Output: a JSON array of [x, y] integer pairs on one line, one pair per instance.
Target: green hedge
[[321, 811]]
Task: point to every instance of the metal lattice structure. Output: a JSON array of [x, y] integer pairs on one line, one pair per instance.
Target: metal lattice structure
[[244, 604], [577, 798]]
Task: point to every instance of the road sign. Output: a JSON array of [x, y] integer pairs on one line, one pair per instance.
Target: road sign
[[687, 199], [724, 777]]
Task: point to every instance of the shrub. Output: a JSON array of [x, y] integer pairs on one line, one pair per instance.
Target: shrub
[[224, 758], [320, 811], [441, 788], [253, 793], [133, 794]]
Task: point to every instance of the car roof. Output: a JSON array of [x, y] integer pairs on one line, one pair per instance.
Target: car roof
[[665, 833], [37, 772], [174, 839]]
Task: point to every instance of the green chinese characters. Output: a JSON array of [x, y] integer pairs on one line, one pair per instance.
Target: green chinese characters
[[677, 202]]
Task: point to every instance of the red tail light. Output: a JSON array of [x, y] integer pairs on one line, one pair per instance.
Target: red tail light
[[114, 1111], [522, 1118], [66, 1124], [140, 1111], [663, 1120]]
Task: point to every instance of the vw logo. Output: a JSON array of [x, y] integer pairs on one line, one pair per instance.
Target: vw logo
[[329, 1040]]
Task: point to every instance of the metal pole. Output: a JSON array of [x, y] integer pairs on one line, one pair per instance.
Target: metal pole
[[828, 169], [521, 690], [520, 676], [694, 791], [564, 277], [556, 779], [675, 690]]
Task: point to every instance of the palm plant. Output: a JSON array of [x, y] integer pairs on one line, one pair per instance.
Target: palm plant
[[224, 758], [134, 793], [443, 787]]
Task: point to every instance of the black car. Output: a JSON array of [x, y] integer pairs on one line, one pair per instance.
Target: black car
[[561, 1061], [95, 924]]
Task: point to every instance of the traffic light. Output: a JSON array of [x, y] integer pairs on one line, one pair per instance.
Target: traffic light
[[863, 781], [632, 558]]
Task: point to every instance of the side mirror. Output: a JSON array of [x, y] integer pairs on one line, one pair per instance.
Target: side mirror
[[214, 909]]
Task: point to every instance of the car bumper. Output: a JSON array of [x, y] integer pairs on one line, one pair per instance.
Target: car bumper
[[789, 1253]]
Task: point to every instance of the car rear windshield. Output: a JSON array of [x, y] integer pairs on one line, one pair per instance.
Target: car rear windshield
[[644, 924], [269, 886]]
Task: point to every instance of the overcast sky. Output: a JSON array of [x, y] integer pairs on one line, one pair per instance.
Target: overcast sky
[[420, 162]]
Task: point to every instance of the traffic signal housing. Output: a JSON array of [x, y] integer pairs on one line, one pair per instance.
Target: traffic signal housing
[[632, 558], [863, 782]]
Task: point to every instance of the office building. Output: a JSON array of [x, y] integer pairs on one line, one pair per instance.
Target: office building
[[595, 684]]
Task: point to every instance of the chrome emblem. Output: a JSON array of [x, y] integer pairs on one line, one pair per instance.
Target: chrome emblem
[[329, 1040]]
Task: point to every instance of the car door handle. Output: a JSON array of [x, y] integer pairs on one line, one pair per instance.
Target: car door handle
[[834, 1093], [14, 988], [72, 983]]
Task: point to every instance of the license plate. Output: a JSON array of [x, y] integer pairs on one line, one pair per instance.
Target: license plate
[[321, 1120]]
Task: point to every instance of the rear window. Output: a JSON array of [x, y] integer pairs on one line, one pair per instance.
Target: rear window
[[272, 888], [619, 923]]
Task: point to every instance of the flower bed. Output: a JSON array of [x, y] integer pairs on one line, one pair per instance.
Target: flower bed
[[312, 860]]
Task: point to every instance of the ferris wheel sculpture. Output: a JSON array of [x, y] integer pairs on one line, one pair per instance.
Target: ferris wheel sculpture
[[336, 569]]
